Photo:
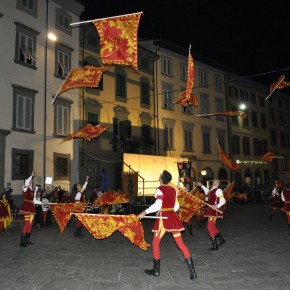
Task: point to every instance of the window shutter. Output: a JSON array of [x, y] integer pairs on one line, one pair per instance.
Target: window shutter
[[20, 110], [27, 113]]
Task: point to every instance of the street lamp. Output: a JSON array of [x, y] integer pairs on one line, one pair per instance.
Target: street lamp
[[242, 106]]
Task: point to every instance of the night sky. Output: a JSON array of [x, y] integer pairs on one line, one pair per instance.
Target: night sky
[[251, 37]]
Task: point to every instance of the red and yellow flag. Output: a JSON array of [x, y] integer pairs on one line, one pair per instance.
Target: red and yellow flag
[[227, 192], [88, 132], [187, 97], [118, 39], [227, 161], [268, 157], [102, 226], [189, 204], [62, 212], [280, 84], [111, 197], [87, 76]]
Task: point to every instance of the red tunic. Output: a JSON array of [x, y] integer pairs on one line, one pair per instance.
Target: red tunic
[[172, 223], [213, 200], [286, 193], [27, 206]]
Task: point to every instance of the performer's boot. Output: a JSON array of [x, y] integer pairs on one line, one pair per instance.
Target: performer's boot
[[220, 239], [270, 217], [23, 241], [214, 244], [190, 228], [190, 267], [156, 269], [28, 242]]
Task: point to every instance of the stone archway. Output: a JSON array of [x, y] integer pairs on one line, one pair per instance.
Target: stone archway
[[248, 176], [257, 177], [223, 174]]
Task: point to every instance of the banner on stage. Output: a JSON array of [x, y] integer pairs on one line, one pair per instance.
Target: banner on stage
[[130, 184]]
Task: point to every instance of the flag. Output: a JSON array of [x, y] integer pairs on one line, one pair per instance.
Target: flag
[[102, 226], [111, 197], [118, 39], [268, 157], [227, 161], [280, 84], [241, 114], [62, 212], [187, 97], [189, 204], [88, 132], [184, 170], [82, 77], [227, 192]]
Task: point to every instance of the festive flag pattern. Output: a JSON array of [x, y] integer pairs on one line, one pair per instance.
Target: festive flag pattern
[[280, 84], [187, 97], [62, 212], [88, 132], [118, 39], [103, 226], [227, 161], [87, 76], [189, 204], [111, 197], [268, 157]]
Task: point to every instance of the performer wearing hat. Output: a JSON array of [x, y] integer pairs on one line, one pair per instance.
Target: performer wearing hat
[[166, 205], [79, 198], [277, 202], [215, 200], [27, 210]]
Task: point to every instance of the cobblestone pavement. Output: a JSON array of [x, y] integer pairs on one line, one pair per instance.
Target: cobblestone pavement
[[256, 255]]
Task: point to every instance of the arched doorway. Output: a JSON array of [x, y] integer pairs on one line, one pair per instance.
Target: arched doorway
[[257, 177], [223, 174], [207, 174], [248, 176]]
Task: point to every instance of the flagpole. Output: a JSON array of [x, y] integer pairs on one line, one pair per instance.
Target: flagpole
[[214, 209], [60, 87], [88, 21], [204, 115], [282, 79]]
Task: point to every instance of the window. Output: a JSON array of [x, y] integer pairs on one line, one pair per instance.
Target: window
[[253, 98], [263, 121], [63, 60], [146, 135], [257, 147], [204, 104], [244, 96], [62, 108], [187, 140], [183, 72], [203, 78], [25, 45], [284, 162], [272, 118], [273, 138], [261, 101], [235, 119], [263, 146], [23, 109], [254, 119], [236, 144], [22, 163], [61, 166], [145, 92], [218, 83], [206, 142], [166, 66], [246, 145], [219, 108], [282, 139], [28, 6], [168, 138], [187, 110], [121, 90], [122, 129], [167, 99], [281, 118], [233, 92], [221, 138], [93, 119], [62, 21]]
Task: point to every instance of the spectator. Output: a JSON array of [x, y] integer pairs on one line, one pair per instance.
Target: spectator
[[38, 208], [5, 212], [45, 208]]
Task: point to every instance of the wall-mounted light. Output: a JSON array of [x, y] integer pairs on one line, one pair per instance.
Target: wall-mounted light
[[51, 36], [203, 172], [242, 106]]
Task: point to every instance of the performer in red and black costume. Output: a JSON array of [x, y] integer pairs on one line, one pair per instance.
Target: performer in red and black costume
[[215, 200], [277, 202], [27, 210], [166, 205], [79, 198], [285, 196]]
